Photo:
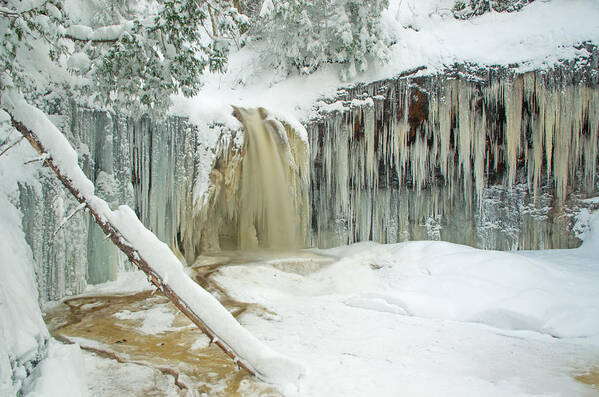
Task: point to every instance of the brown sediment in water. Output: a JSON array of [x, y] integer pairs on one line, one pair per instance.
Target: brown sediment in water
[[590, 378], [91, 322]]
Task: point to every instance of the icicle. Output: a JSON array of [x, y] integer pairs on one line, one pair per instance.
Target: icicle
[[513, 126]]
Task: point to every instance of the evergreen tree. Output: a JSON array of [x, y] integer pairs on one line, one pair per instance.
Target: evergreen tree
[[466, 9], [136, 62], [303, 34]]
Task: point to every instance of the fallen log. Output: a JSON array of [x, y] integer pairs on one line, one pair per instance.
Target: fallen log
[[146, 252]]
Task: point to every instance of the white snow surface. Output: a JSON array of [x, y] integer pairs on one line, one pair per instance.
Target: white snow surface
[[61, 373], [109, 378], [432, 318], [22, 329], [424, 33]]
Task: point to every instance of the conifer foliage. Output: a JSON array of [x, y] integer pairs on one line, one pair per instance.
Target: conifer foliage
[[466, 9], [303, 34], [134, 62]]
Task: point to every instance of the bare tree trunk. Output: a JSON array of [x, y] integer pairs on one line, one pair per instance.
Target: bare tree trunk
[[113, 233]]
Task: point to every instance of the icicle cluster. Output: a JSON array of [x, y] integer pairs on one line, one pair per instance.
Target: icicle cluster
[[427, 158], [152, 167]]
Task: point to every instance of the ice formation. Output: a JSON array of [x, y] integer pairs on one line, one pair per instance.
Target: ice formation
[[185, 183], [497, 161], [486, 162]]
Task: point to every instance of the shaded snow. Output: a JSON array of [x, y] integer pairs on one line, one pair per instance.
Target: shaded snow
[[24, 338], [433, 318], [61, 374]]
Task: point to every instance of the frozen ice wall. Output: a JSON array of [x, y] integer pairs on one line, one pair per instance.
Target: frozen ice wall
[[150, 166], [493, 160], [197, 187]]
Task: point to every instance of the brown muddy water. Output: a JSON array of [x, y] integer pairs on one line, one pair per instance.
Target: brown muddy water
[[590, 378], [100, 324], [113, 326]]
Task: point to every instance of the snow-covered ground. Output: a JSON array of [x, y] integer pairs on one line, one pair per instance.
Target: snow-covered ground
[[418, 318], [425, 33], [432, 318]]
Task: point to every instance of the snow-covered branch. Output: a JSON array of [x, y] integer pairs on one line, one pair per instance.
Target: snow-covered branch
[[104, 34], [148, 253]]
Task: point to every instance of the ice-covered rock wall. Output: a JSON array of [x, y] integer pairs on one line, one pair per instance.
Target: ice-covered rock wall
[[490, 159], [493, 160], [151, 166]]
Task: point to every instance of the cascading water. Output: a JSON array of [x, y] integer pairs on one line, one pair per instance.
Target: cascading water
[[259, 191], [267, 214]]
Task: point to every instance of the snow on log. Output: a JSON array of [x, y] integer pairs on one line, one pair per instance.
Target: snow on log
[[147, 252]]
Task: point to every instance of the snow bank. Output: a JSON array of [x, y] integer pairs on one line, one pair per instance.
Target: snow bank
[[431, 318], [24, 338], [61, 374], [551, 292], [22, 330]]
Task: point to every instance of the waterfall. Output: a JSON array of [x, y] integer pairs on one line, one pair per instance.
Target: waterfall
[[259, 191], [267, 216]]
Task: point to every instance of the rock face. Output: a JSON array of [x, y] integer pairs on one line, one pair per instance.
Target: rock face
[[483, 157], [488, 158]]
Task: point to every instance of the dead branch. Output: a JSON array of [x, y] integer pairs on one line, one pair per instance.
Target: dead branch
[[65, 221], [11, 146]]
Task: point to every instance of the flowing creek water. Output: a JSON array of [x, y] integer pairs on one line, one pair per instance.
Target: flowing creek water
[[114, 326]]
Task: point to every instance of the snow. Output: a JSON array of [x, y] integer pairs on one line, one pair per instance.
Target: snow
[[432, 318], [21, 324], [109, 378], [155, 320], [426, 318], [61, 374], [425, 34], [24, 338]]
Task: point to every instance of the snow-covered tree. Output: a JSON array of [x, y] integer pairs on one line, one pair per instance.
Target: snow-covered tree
[[127, 59], [466, 9], [303, 34]]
